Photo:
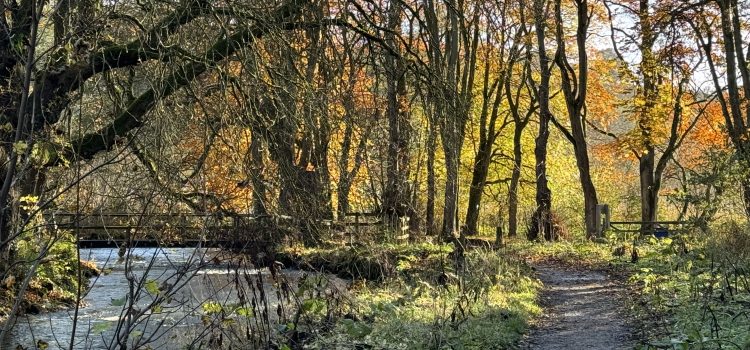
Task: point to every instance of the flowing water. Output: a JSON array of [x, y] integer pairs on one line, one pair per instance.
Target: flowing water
[[166, 298]]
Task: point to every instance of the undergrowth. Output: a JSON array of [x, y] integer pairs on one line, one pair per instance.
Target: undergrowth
[[426, 304], [696, 290], [54, 283]]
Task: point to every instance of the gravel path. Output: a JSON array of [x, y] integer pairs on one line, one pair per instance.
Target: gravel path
[[582, 311]]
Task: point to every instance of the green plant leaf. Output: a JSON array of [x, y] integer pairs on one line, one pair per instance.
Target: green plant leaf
[[152, 287], [245, 311], [313, 305], [355, 329], [211, 307], [20, 147]]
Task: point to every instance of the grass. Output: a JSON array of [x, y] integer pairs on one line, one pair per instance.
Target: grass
[[427, 305], [581, 253]]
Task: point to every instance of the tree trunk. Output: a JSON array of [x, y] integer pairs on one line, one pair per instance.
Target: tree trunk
[[515, 178], [450, 209], [746, 195], [476, 190], [396, 199], [542, 217], [257, 167], [649, 192], [430, 210], [344, 183], [541, 223], [647, 161], [574, 88], [590, 201]]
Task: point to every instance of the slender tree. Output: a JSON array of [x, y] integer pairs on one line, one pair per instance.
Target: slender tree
[[574, 87]]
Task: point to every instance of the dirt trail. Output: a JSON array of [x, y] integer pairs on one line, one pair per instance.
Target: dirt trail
[[582, 311]]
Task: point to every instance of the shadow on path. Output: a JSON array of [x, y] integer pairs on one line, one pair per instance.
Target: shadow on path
[[582, 311]]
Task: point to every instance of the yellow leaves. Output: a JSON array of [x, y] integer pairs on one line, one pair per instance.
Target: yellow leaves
[[29, 202], [7, 127], [20, 147]]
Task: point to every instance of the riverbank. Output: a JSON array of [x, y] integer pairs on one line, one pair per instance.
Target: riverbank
[[416, 300], [45, 292], [412, 297]]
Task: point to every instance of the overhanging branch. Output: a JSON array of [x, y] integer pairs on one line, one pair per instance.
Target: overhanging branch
[[133, 116]]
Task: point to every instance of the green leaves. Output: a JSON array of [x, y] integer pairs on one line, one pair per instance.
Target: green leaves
[[313, 305], [18, 43], [245, 312], [152, 287], [211, 307], [28, 202], [20, 147]]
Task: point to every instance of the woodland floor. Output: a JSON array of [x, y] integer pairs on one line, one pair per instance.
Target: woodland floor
[[583, 310]]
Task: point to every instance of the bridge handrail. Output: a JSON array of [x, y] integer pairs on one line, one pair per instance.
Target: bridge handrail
[[648, 222]]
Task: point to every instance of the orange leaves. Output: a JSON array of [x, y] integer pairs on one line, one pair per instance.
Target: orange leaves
[[708, 135], [603, 91], [225, 164]]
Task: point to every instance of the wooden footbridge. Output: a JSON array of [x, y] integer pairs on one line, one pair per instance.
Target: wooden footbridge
[[100, 230]]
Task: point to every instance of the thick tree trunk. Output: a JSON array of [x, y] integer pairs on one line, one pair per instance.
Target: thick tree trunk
[[256, 178], [736, 112], [344, 183], [541, 223], [574, 90], [647, 161], [322, 180], [542, 218], [649, 192], [396, 199], [343, 189], [746, 195], [590, 200]]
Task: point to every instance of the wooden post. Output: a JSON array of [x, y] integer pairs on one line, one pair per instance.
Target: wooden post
[[602, 219], [605, 210]]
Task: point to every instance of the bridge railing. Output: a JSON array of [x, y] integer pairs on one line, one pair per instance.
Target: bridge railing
[[132, 221], [107, 226]]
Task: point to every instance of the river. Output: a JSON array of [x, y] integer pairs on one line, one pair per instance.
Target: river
[[170, 298]]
